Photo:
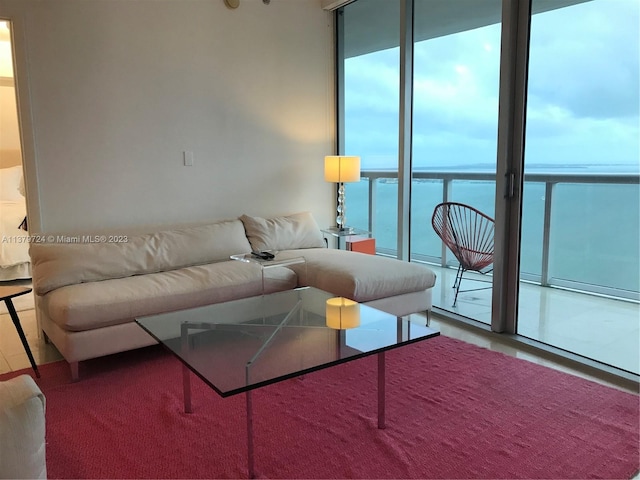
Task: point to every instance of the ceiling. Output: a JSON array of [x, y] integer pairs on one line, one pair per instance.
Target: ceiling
[[373, 25]]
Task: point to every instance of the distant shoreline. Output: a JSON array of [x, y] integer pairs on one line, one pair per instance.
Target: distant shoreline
[[537, 167]]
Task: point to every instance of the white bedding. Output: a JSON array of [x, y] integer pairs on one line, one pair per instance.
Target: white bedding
[[14, 242]]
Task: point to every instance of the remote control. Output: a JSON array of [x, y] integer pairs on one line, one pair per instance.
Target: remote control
[[263, 255]]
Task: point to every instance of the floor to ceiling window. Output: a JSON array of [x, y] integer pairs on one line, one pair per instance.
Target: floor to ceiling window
[[581, 199], [369, 49], [577, 214], [455, 125], [577, 229]]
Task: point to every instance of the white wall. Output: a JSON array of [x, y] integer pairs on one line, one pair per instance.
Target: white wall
[[116, 90]]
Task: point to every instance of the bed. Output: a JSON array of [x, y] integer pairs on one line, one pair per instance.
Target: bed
[[14, 239]]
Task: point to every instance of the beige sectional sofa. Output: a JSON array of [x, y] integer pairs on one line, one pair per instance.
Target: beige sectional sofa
[[88, 294]]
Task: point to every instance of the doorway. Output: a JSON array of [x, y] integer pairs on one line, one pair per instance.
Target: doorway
[[14, 246]]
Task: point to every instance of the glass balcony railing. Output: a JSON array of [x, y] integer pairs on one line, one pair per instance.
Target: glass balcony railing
[[579, 231]]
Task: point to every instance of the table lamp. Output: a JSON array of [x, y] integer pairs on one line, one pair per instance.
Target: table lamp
[[341, 169], [342, 313]]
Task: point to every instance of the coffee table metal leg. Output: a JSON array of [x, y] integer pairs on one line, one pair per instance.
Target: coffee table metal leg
[[381, 391], [186, 374], [186, 389], [250, 436]]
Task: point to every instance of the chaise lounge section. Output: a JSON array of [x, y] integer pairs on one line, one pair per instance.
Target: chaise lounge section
[[88, 295]]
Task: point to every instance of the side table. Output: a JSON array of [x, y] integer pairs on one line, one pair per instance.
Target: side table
[[341, 233], [6, 294], [264, 264]]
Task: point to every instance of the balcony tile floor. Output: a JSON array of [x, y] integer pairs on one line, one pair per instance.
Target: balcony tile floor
[[603, 329]]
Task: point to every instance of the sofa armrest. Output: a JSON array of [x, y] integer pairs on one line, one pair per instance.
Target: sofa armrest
[[22, 429]]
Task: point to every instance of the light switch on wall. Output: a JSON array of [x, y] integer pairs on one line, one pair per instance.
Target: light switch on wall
[[188, 158]]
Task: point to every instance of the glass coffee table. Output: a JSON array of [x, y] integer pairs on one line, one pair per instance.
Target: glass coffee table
[[238, 346]]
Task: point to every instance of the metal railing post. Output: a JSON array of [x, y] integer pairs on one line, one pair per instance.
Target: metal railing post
[[546, 233], [373, 187]]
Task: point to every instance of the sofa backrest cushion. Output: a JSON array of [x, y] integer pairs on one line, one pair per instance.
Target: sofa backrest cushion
[[56, 265], [299, 230]]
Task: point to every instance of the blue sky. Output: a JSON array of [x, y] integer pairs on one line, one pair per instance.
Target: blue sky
[[583, 99]]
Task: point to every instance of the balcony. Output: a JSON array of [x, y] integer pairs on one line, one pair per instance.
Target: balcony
[[580, 254]]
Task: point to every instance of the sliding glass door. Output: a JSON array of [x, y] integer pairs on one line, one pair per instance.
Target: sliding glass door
[[526, 110], [581, 229], [455, 114], [455, 124]]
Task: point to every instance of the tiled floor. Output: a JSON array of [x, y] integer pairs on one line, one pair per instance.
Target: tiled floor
[[13, 357], [12, 354], [604, 329]]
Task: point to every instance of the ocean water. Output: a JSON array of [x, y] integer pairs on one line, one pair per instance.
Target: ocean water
[[594, 234]]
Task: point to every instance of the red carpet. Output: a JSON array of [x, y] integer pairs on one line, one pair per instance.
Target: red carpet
[[454, 410]]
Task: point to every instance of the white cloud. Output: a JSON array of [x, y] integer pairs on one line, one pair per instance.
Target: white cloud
[[583, 91]]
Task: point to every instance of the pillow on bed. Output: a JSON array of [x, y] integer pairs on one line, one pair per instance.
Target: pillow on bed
[[299, 230], [10, 179]]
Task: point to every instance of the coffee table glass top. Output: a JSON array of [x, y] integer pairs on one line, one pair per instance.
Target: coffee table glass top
[[243, 344]]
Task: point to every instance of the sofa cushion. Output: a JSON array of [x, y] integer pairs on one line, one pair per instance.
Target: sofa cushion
[[59, 265], [359, 276], [299, 230], [86, 306]]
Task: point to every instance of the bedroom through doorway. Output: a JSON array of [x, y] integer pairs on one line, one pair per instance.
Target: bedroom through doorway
[[15, 265]]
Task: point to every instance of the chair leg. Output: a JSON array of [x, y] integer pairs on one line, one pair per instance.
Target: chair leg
[[456, 282], [16, 322], [459, 281], [455, 299]]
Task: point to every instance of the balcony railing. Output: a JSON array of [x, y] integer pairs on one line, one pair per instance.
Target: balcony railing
[[579, 231]]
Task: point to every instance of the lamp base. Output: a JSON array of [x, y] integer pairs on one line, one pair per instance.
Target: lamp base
[[341, 219]]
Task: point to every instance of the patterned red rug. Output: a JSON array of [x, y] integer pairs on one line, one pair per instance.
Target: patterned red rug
[[454, 410]]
